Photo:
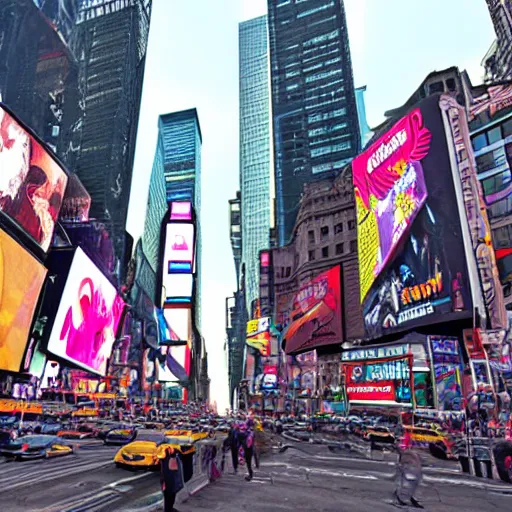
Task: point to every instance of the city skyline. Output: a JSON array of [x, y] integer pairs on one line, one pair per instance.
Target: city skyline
[[195, 80]]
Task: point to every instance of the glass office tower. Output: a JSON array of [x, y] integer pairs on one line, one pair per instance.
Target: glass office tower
[[255, 173], [181, 140], [316, 130]]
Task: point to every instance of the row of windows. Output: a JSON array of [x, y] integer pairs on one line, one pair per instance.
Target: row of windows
[[492, 135], [327, 150], [326, 129], [324, 231], [323, 75], [309, 12], [330, 166], [339, 249], [313, 118], [324, 37]]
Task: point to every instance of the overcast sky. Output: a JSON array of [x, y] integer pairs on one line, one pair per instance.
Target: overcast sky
[[192, 61]]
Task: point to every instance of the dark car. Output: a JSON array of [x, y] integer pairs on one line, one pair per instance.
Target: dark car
[[120, 436], [36, 447]]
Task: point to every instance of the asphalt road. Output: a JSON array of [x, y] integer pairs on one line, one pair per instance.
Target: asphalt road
[[302, 478]]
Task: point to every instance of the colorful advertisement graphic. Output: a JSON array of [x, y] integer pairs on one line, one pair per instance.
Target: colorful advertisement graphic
[[447, 365], [21, 280], [379, 380], [32, 184], [426, 280], [179, 248], [258, 335], [390, 189], [315, 318], [181, 211], [87, 319]]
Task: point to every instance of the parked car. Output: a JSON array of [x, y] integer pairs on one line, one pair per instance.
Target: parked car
[[36, 447]]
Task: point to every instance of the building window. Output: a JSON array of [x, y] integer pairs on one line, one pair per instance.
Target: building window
[[351, 225], [436, 87], [450, 83], [288, 271], [479, 141], [339, 248], [494, 135], [353, 245], [311, 255], [325, 252], [507, 128], [324, 232], [338, 228], [311, 237]]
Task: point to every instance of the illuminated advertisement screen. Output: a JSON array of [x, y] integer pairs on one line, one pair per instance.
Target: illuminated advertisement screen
[[426, 279], [21, 280], [32, 183], [315, 314], [387, 380], [258, 335], [87, 318], [389, 187], [181, 211], [179, 248], [178, 288], [180, 322]]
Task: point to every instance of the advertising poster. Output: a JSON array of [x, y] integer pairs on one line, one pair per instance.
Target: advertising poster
[[390, 190], [181, 211], [32, 184], [21, 280], [179, 248], [447, 365], [384, 380], [87, 319], [315, 317], [426, 279], [258, 335]]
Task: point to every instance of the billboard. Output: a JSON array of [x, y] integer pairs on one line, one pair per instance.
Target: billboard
[[258, 335], [426, 278], [32, 183], [179, 248], [178, 289], [387, 380], [88, 316], [389, 187], [311, 317], [21, 280], [181, 211]]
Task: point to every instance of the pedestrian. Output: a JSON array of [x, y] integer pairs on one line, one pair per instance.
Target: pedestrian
[[232, 444], [247, 442], [171, 475]]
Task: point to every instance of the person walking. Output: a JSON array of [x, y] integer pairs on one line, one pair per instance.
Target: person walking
[[171, 475], [232, 444], [247, 442]]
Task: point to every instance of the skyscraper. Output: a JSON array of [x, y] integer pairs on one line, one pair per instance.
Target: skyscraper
[[315, 119], [156, 207], [498, 61], [109, 41], [181, 139], [255, 174]]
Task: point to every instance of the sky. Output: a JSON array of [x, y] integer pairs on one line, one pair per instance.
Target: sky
[[192, 61]]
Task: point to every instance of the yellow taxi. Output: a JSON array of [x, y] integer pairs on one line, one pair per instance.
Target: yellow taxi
[[143, 452]]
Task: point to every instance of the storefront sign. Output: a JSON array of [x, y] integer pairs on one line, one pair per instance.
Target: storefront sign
[[375, 353], [383, 391]]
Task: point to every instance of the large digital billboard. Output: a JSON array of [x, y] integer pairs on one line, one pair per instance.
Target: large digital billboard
[[21, 280], [258, 335], [32, 183], [179, 248], [389, 187], [313, 317], [426, 278], [87, 318]]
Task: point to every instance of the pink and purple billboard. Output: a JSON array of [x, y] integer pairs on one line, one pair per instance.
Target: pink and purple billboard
[[390, 190], [88, 317]]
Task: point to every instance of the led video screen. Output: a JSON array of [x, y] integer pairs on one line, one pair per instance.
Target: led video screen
[[258, 335], [389, 187], [178, 289], [179, 248], [21, 280], [181, 211], [32, 183], [87, 318], [426, 278], [313, 314]]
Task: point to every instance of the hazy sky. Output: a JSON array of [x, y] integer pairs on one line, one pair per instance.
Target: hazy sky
[[192, 61]]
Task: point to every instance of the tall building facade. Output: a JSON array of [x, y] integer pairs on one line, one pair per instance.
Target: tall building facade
[[109, 41], [255, 171], [498, 61], [181, 140], [315, 118], [156, 207]]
